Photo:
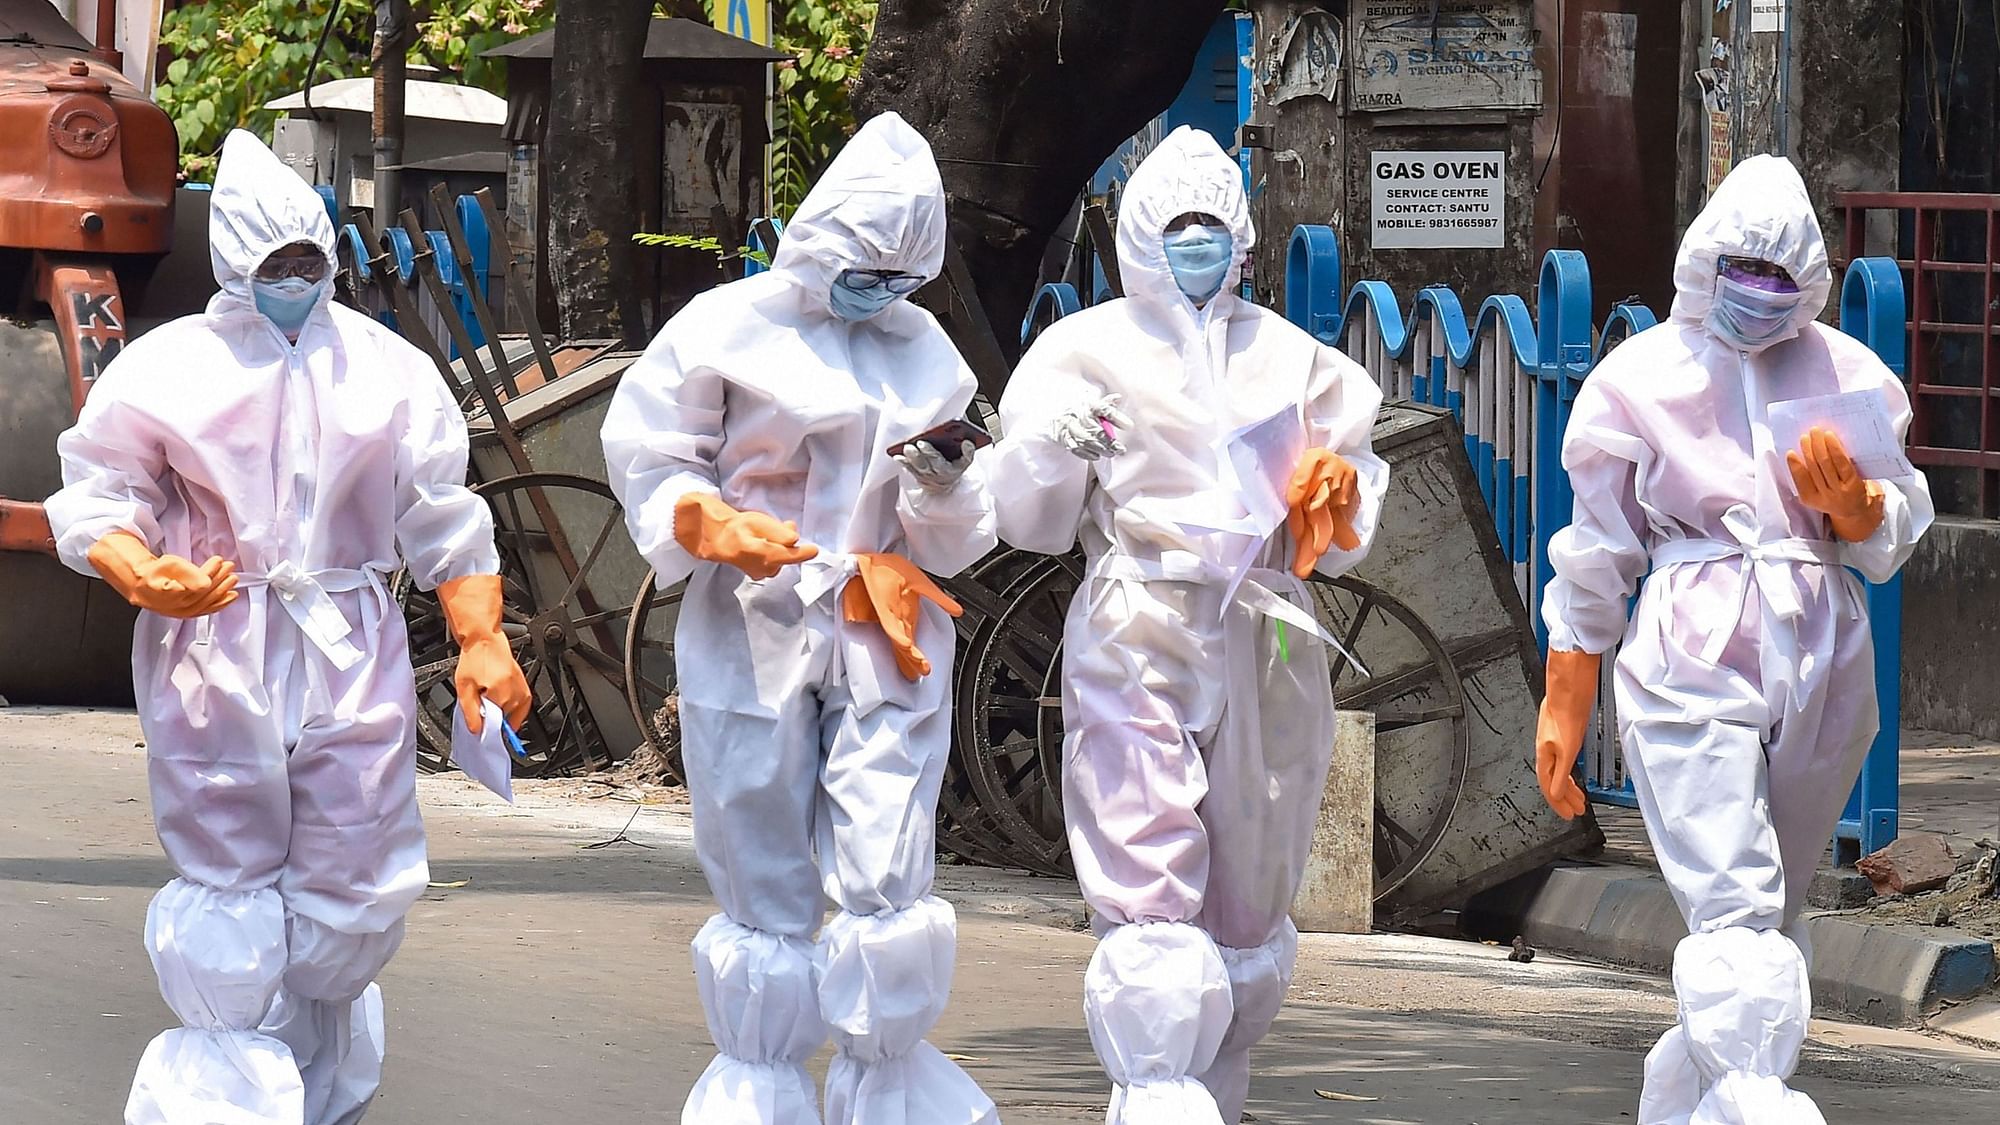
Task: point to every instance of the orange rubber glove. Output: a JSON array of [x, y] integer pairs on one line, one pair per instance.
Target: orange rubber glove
[[1324, 495], [890, 591], [1828, 482], [168, 585], [486, 664], [752, 542], [1572, 691]]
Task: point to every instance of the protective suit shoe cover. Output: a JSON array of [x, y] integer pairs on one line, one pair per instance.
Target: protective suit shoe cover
[[919, 1087], [889, 590], [1157, 1003], [1744, 1003], [884, 980], [1258, 980], [752, 542], [1572, 679], [757, 990], [220, 956], [339, 1047], [216, 1078]]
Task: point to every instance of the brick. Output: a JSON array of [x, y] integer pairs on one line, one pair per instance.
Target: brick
[[1913, 864]]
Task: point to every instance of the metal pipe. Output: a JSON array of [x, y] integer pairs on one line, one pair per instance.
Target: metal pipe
[[1783, 139], [106, 46], [392, 25]]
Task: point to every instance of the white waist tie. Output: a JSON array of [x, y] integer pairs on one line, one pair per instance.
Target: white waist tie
[[307, 598], [1766, 563], [1254, 592]]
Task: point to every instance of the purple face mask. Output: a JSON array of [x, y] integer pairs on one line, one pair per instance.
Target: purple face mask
[[1759, 275]]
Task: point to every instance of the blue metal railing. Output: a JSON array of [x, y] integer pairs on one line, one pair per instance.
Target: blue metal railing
[[1872, 311], [1510, 374], [471, 219]]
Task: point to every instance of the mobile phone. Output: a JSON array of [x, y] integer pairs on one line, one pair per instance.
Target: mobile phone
[[947, 439]]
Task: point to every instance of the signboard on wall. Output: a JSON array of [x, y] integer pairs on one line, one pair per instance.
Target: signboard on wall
[[745, 19], [1768, 15], [1718, 99], [1443, 54], [1439, 200]]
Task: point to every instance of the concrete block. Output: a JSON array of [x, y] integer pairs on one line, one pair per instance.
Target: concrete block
[[1886, 975], [1910, 865], [1602, 912], [1951, 628], [1337, 894], [1893, 975], [1838, 888]]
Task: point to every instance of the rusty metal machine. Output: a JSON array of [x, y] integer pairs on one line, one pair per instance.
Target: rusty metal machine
[[87, 184]]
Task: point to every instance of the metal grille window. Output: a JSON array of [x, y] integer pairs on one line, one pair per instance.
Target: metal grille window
[[1948, 248]]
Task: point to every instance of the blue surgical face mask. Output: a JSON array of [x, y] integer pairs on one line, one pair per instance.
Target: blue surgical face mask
[[852, 303], [288, 302], [1748, 318], [1200, 257]]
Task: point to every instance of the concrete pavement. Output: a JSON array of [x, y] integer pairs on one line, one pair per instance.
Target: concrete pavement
[[553, 983]]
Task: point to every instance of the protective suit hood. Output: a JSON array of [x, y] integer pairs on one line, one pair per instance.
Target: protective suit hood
[[1188, 172], [879, 205], [1760, 211], [259, 205]]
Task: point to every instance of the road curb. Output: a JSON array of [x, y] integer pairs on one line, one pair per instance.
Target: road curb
[[1890, 976]]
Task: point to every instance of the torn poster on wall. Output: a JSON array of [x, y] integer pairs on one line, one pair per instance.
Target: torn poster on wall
[[1443, 54], [1309, 50]]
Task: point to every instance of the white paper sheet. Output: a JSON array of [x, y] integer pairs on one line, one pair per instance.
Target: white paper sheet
[[1860, 418], [483, 756], [1263, 455]]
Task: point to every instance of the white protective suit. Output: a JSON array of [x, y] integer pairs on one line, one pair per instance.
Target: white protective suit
[[1746, 685], [1197, 740], [279, 731], [813, 764]]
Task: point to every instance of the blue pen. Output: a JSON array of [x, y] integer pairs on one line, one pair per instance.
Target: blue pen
[[513, 742]]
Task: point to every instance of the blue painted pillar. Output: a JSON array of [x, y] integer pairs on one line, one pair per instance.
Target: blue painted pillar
[[1872, 311], [1562, 331]]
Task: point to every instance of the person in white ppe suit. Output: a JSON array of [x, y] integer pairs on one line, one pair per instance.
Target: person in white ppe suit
[[750, 449], [1190, 437], [1745, 687], [302, 449]]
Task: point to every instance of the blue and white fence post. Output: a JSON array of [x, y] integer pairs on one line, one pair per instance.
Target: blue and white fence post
[[1872, 311]]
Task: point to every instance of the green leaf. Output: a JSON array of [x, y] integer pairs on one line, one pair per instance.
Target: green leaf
[[177, 71]]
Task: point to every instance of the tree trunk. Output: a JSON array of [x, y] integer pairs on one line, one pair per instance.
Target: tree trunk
[[592, 168], [1022, 100]]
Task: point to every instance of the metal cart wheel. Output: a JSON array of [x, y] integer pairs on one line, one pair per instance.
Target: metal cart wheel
[[1013, 740], [650, 678], [1423, 727], [1011, 714], [570, 648], [965, 827]]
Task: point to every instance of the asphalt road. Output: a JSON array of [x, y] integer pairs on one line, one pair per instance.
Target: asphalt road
[[553, 984]]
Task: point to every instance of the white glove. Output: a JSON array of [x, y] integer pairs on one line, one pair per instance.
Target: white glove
[[933, 470], [1091, 432]]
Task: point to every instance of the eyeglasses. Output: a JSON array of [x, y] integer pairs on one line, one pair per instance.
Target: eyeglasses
[[897, 282], [310, 267], [1755, 267]]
